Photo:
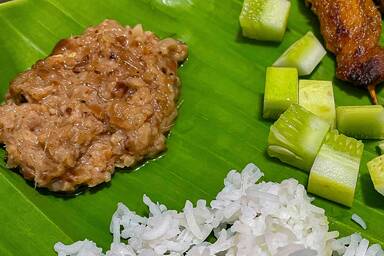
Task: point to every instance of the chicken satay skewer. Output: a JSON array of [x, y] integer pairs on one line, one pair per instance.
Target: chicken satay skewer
[[351, 30]]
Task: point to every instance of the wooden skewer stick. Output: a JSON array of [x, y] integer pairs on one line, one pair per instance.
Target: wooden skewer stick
[[372, 92]]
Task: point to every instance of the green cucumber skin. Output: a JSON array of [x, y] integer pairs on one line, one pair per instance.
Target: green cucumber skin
[[295, 138], [336, 168], [281, 90], [265, 20], [361, 122]]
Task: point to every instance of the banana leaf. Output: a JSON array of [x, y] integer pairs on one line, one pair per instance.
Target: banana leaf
[[219, 126]]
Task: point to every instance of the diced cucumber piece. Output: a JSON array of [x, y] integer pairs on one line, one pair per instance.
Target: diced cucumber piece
[[381, 147], [376, 170], [361, 122], [336, 168], [317, 97], [305, 54], [296, 137], [265, 19], [281, 90]]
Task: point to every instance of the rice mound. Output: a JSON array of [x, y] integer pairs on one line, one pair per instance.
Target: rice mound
[[246, 218]]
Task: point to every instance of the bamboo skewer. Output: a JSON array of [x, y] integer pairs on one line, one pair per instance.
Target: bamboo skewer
[[372, 93]]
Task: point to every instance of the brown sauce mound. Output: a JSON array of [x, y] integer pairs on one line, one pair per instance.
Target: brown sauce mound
[[102, 99]]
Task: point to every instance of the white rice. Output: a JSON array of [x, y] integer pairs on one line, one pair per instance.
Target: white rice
[[356, 218], [246, 218], [355, 245]]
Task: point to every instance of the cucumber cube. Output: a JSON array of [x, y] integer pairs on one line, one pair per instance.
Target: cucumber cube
[[296, 137], [265, 19], [317, 97], [381, 147], [281, 90], [376, 170], [336, 168], [361, 122], [305, 54]]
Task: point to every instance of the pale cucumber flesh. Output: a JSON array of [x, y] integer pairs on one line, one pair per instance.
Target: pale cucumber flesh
[[361, 122], [317, 97], [296, 137], [376, 171], [281, 90], [336, 168], [265, 19], [305, 54]]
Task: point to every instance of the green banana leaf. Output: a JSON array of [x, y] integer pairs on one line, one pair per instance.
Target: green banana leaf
[[219, 125]]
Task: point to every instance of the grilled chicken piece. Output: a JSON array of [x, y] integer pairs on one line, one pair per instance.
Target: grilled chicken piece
[[351, 29]]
